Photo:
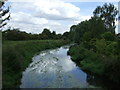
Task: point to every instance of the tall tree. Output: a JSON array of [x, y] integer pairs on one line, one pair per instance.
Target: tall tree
[[53, 36], [94, 28], [107, 13], [72, 32], [46, 34]]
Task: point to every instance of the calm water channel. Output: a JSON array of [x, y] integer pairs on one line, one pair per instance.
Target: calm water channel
[[55, 69]]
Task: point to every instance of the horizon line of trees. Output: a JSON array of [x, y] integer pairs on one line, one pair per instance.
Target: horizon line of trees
[[15, 34]]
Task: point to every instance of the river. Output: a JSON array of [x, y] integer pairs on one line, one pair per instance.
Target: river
[[55, 69]]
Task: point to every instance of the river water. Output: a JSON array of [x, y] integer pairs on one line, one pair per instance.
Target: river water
[[55, 69]]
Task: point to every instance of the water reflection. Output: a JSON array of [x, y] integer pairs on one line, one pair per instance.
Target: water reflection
[[54, 69], [100, 82]]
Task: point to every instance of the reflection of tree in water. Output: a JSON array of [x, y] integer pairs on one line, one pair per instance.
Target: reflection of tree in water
[[100, 81], [90, 78], [66, 47]]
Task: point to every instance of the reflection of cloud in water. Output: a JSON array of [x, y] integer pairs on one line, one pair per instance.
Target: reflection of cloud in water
[[52, 68], [51, 63], [42, 54], [67, 64], [54, 51]]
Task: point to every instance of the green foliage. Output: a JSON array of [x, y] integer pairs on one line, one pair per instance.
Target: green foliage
[[72, 32], [17, 35], [87, 59], [98, 49], [103, 59], [92, 28], [102, 21], [75, 52], [46, 33], [108, 36], [107, 13], [80, 29], [100, 46], [112, 48], [67, 36], [87, 36], [14, 34]]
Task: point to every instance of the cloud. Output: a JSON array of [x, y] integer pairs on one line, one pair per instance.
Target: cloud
[[39, 14], [56, 10], [27, 18]]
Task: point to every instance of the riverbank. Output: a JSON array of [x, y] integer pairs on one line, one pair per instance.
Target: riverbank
[[99, 57], [16, 56]]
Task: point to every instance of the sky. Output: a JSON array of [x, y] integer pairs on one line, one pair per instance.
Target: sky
[[33, 16]]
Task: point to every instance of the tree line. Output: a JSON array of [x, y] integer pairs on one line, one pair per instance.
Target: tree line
[[16, 34]]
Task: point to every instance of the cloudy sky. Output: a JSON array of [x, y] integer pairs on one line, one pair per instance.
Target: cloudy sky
[[57, 15]]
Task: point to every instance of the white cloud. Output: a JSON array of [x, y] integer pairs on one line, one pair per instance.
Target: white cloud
[[27, 18], [56, 10], [39, 14]]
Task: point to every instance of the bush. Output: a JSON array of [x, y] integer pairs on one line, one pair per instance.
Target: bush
[[108, 36], [106, 62]]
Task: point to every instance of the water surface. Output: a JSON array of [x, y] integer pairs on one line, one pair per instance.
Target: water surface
[[55, 69]]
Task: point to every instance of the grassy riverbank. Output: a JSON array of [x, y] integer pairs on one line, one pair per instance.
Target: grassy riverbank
[[99, 57], [16, 56]]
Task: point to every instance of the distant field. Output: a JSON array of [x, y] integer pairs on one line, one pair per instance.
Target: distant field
[[16, 56]]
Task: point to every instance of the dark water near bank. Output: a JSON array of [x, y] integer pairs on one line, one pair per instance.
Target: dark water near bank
[[55, 69]]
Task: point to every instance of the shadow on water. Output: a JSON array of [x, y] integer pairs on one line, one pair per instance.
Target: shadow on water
[[100, 81]]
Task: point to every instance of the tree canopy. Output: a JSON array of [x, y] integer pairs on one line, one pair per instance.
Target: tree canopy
[[103, 20], [107, 13]]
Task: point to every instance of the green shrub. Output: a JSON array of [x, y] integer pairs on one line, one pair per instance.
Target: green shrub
[[108, 36], [102, 60]]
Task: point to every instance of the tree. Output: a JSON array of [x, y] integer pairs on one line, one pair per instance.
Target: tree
[[66, 35], [53, 36], [87, 36], [72, 32], [54, 33], [3, 12], [108, 36], [94, 25], [46, 34], [15, 34], [58, 36], [101, 46], [107, 13], [72, 28], [80, 29]]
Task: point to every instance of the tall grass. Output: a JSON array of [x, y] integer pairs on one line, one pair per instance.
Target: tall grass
[[18, 54]]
